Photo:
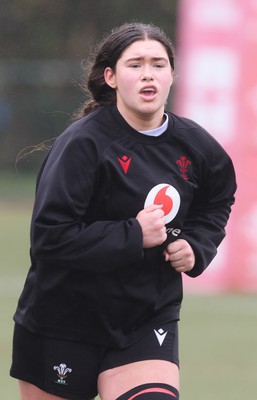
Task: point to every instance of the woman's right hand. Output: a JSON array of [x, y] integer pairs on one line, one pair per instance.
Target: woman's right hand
[[153, 227]]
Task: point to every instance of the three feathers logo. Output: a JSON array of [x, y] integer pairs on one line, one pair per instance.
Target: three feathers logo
[[183, 163], [62, 372]]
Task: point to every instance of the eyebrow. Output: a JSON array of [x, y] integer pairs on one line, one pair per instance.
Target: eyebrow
[[140, 58]]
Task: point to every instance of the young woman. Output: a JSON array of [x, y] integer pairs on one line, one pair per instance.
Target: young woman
[[128, 198]]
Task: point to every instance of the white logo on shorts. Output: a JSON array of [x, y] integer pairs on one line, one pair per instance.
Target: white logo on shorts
[[161, 335], [62, 373]]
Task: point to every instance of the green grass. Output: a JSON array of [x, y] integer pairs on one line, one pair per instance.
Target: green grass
[[16, 186], [218, 333], [218, 347], [16, 193], [14, 262]]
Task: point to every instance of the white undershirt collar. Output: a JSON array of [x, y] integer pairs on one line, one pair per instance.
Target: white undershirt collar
[[157, 131]]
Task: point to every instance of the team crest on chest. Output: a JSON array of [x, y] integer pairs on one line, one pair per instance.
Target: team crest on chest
[[166, 195], [183, 164]]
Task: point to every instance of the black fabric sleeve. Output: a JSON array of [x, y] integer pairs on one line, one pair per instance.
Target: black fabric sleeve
[[59, 230], [204, 227]]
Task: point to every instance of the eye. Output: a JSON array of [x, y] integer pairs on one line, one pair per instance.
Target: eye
[[135, 65], [158, 65]]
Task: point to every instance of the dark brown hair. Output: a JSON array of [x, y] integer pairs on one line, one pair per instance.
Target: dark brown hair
[[107, 53]]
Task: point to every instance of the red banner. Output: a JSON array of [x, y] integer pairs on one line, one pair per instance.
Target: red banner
[[216, 85]]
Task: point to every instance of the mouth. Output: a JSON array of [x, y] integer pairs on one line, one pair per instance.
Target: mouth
[[148, 92]]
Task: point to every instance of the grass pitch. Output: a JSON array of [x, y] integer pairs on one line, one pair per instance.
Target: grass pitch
[[218, 347], [218, 333]]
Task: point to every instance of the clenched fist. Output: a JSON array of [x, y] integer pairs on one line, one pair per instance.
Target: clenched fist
[[153, 227], [180, 255]]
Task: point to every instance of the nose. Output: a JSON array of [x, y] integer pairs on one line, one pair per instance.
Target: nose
[[147, 74]]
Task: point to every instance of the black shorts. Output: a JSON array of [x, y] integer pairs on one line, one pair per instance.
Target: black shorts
[[70, 369]]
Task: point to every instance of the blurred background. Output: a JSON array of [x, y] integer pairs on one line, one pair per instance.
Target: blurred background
[[42, 46]]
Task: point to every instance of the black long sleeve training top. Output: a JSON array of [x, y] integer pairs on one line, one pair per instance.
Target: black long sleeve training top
[[90, 278]]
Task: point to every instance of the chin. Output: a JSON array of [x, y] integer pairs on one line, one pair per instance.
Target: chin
[[150, 110]]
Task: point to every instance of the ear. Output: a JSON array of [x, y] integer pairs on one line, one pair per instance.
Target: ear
[[172, 78], [110, 77]]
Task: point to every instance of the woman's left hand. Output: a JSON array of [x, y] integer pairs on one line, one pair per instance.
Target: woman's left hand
[[180, 255]]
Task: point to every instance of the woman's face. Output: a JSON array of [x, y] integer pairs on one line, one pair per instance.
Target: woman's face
[[142, 80]]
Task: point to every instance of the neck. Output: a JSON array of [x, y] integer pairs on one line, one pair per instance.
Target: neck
[[143, 122]]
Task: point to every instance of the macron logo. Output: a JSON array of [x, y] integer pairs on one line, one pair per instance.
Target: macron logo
[[161, 335], [124, 162]]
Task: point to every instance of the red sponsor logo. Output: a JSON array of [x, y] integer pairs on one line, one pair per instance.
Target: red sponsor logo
[[166, 195]]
